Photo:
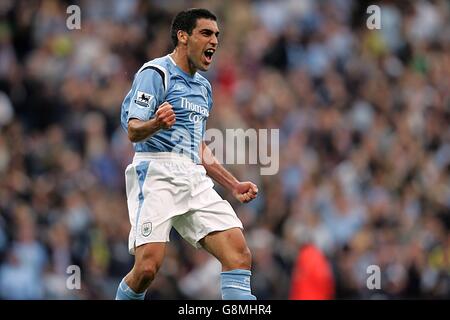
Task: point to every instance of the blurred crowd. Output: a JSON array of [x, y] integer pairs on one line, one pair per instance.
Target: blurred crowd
[[364, 144]]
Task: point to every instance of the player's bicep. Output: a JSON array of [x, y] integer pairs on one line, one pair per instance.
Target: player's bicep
[[147, 93]]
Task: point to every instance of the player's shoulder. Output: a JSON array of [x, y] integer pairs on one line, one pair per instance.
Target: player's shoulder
[[156, 64], [158, 67]]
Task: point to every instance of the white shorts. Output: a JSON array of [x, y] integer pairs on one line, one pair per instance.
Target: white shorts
[[166, 190]]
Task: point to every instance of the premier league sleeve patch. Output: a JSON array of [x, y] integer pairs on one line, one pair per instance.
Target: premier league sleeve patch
[[143, 99]]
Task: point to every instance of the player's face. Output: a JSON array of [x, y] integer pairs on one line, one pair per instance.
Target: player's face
[[202, 43]]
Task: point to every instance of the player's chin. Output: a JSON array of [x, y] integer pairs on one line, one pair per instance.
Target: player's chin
[[205, 63], [204, 67]]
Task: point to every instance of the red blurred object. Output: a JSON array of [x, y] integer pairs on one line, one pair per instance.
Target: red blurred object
[[312, 276], [227, 78]]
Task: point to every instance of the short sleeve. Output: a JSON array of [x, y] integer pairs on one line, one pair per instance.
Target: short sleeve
[[147, 95]]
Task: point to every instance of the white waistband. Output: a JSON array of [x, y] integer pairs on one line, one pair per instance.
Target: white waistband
[[161, 156]]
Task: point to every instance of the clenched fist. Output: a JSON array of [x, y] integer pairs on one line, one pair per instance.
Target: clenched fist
[[245, 191], [165, 117]]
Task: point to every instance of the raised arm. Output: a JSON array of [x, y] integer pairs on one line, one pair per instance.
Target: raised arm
[[147, 111], [139, 130], [242, 191]]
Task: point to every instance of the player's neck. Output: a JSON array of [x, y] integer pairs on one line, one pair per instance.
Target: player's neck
[[182, 61]]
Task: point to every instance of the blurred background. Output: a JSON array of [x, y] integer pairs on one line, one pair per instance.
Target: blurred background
[[364, 146]]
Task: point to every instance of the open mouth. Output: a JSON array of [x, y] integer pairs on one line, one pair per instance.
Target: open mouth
[[208, 55]]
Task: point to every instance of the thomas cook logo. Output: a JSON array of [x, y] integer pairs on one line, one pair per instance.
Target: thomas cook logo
[[146, 229], [198, 112], [195, 118]]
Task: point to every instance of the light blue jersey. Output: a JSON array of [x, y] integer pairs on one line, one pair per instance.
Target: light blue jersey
[[161, 80]]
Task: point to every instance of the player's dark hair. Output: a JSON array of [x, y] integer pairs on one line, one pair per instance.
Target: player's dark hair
[[187, 20]]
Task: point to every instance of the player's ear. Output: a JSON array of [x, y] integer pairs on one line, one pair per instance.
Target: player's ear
[[182, 36]]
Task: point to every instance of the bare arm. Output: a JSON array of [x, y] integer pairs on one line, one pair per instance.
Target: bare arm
[[139, 130], [243, 191], [215, 170]]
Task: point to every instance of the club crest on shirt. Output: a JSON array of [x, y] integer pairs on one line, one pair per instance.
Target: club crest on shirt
[[143, 99], [146, 229], [178, 87]]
